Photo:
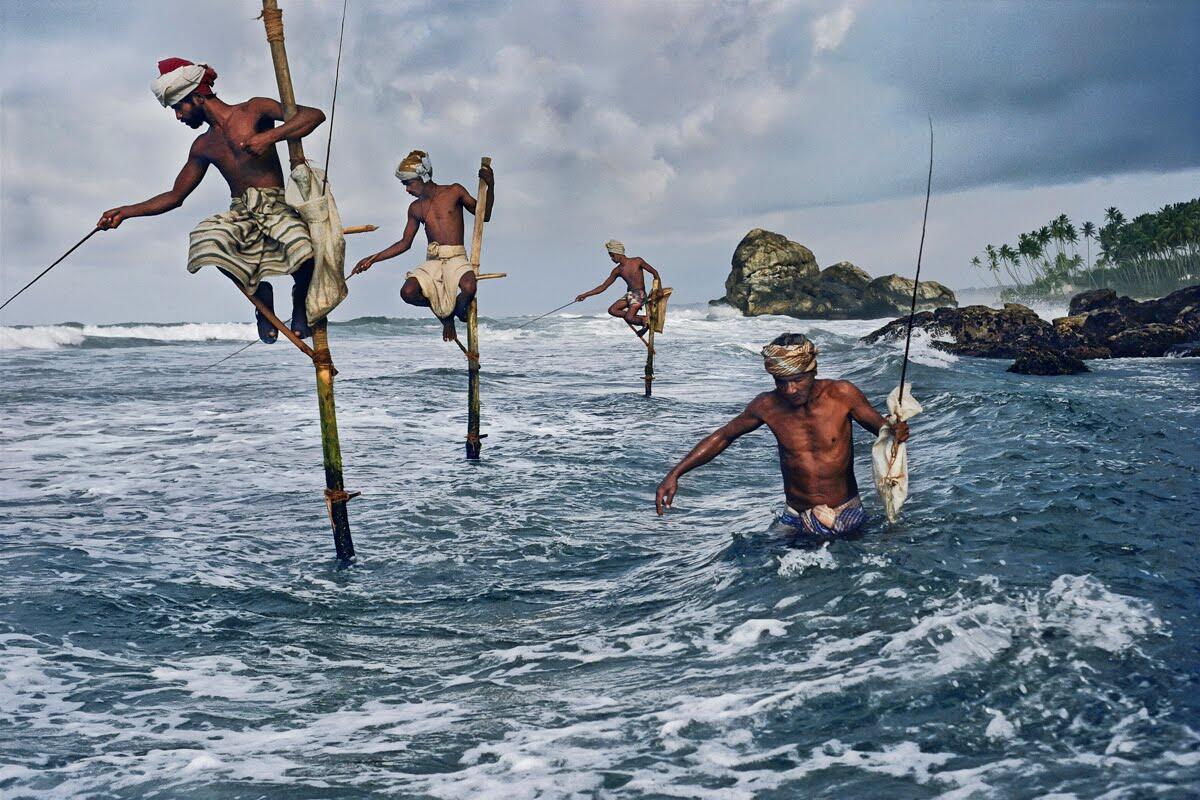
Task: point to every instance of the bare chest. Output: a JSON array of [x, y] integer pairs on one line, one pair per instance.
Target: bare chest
[[822, 431]]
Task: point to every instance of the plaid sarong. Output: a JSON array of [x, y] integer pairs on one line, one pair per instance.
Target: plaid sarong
[[260, 236], [838, 521]]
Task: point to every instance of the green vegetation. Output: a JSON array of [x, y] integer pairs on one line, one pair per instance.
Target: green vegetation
[[1151, 255]]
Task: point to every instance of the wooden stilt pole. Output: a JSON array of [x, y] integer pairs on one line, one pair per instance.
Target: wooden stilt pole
[[474, 440], [335, 492]]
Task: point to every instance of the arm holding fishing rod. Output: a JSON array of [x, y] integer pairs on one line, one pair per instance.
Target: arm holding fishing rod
[[185, 183], [612, 276]]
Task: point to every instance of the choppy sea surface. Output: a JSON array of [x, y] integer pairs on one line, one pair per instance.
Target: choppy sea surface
[[173, 622]]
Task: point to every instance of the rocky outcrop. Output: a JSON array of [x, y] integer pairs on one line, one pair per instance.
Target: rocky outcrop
[[771, 274], [1100, 325]]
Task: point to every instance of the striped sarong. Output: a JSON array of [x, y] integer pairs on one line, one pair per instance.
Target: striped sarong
[[260, 236]]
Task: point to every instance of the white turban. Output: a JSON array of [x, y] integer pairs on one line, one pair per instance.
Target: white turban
[[613, 246], [415, 165], [790, 360], [173, 86]]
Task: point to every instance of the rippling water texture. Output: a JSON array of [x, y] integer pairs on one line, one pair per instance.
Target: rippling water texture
[[173, 623]]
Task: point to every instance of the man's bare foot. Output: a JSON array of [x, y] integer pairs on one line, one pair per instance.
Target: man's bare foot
[[449, 334]]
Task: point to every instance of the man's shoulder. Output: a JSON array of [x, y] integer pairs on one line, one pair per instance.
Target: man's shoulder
[[763, 403], [838, 389]]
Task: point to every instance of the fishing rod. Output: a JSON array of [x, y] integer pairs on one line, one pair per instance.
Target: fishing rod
[[52, 266], [916, 278], [337, 73], [548, 313]]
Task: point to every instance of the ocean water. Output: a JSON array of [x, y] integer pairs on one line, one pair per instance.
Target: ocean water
[[173, 623]]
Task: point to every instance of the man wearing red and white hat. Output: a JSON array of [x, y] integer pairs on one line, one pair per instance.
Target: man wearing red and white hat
[[261, 236]]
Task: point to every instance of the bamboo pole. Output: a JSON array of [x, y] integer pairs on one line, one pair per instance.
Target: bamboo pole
[[474, 441], [655, 289], [335, 491]]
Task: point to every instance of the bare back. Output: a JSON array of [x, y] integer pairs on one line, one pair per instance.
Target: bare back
[[816, 454], [442, 213], [220, 145]]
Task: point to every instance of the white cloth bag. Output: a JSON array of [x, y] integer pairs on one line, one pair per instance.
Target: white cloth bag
[[889, 460], [320, 213]]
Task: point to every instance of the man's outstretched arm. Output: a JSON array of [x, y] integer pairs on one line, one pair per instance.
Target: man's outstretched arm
[[709, 448], [185, 183], [612, 276], [410, 232], [862, 412]]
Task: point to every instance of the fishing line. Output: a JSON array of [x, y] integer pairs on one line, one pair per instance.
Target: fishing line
[[916, 278], [337, 73], [548, 313]]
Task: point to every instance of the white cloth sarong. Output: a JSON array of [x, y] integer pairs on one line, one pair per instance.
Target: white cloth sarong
[[439, 276], [889, 460]]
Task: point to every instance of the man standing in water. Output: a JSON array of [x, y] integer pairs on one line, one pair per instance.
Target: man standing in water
[[811, 422], [447, 272], [260, 236], [631, 271]]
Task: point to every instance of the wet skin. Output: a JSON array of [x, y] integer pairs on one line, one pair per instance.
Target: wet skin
[[240, 143], [440, 209], [632, 271], [811, 419]]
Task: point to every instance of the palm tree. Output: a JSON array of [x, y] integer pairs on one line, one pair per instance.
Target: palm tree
[[1008, 255], [1089, 233]]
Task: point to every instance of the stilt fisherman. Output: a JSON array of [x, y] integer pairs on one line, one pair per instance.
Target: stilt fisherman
[[445, 283], [260, 236], [630, 269]]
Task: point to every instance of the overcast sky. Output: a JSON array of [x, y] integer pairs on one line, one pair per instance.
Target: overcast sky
[[673, 126]]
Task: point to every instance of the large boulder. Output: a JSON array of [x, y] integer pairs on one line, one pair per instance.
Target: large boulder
[[769, 273], [977, 330], [841, 287], [892, 294]]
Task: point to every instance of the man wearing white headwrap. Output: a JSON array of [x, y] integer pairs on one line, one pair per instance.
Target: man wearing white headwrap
[[632, 271], [261, 236], [811, 419], [445, 283]]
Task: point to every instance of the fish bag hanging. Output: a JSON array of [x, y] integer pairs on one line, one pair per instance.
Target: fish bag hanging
[[309, 193], [889, 458]]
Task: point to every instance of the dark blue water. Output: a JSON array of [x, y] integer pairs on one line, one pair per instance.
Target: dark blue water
[[173, 624]]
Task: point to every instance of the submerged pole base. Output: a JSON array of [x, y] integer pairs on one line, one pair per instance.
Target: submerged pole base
[[339, 519], [343, 544]]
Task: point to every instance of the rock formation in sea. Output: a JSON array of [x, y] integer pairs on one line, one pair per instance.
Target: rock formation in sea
[[771, 274], [1099, 325]]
